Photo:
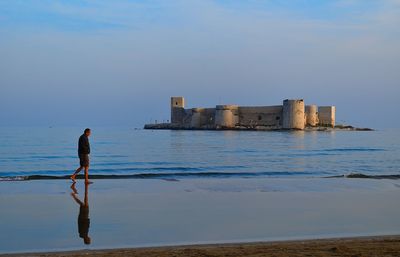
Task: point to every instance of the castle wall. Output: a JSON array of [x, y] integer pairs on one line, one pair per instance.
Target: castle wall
[[293, 114], [226, 116], [270, 116], [207, 117], [311, 115], [326, 115], [195, 121], [201, 117]]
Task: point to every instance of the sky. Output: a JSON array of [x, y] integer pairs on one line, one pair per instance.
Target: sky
[[116, 63]]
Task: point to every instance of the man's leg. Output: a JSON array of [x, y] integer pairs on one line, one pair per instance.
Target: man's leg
[[76, 172], [87, 175], [86, 201], [74, 191]]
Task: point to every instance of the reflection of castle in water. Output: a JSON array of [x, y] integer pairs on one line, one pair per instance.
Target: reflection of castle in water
[[292, 114], [83, 217]]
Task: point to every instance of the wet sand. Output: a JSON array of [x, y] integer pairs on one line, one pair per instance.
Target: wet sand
[[42, 216], [354, 247]]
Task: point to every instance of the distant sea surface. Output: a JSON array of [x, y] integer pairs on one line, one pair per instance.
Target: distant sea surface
[[51, 153]]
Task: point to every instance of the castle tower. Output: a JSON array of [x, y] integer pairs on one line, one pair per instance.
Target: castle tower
[[226, 116], [293, 114], [326, 116], [311, 115], [177, 109]]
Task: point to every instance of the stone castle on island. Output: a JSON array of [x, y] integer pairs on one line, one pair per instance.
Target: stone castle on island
[[291, 115]]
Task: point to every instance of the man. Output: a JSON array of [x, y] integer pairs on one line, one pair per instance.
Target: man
[[83, 152], [83, 217]]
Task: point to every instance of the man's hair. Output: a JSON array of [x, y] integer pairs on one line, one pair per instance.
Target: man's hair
[[87, 130]]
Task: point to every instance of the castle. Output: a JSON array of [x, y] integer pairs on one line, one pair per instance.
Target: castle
[[292, 114]]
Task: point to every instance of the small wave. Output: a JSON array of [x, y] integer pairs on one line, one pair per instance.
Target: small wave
[[37, 157], [136, 163], [161, 170], [172, 175], [112, 156], [16, 178], [329, 152], [361, 175], [353, 150]]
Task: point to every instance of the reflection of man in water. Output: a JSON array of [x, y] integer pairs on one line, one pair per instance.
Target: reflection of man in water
[[83, 218]]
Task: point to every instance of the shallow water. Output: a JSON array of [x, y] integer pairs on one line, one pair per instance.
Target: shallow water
[[43, 216], [179, 154]]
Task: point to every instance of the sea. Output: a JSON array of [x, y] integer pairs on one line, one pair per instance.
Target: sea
[[161, 187], [51, 153]]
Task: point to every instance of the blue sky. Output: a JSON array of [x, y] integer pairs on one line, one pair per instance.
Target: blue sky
[[101, 63], [94, 15]]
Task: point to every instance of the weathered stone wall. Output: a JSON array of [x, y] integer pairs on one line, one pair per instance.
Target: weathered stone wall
[[195, 121], [293, 114], [200, 118], [311, 115], [326, 116], [208, 117], [270, 116], [226, 116]]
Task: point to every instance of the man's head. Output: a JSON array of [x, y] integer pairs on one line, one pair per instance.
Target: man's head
[[87, 132]]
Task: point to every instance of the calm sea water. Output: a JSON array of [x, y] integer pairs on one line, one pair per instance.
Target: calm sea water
[[178, 154]]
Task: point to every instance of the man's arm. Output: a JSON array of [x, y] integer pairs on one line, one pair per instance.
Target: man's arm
[[88, 145]]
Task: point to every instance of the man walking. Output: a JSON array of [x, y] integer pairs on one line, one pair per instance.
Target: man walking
[[83, 152]]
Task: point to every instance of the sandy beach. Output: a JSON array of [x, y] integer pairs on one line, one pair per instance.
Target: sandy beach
[[352, 247]]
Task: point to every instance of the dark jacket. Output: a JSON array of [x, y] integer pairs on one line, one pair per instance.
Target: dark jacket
[[83, 145]]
